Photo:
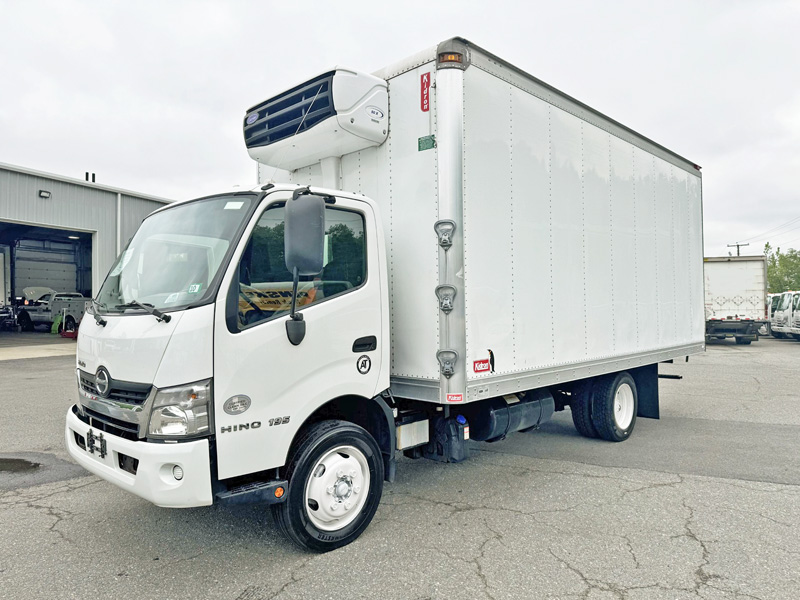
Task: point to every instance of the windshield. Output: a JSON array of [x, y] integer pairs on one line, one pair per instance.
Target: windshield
[[175, 255]]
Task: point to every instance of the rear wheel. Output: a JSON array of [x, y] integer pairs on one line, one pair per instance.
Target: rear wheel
[[581, 408], [742, 341], [69, 323], [25, 322], [335, 475], [615, 403]]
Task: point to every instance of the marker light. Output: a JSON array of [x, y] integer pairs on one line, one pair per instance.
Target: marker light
[[177, 472], [279, 491], [450, 57]]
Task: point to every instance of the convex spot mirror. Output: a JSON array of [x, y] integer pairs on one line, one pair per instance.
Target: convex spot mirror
[[304, 234]]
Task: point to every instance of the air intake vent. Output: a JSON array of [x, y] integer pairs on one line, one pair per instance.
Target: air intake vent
[[281, 117]]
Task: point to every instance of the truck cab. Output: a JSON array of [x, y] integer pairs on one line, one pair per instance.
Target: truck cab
[[782, 321], [188, 336]]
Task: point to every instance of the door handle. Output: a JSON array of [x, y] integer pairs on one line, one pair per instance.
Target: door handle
[[365, 344]]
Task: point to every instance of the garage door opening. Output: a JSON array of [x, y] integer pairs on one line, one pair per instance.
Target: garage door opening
[[34, 256]]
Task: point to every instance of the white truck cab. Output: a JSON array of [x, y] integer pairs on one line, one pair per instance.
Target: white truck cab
[[280, 345], [782, 323]]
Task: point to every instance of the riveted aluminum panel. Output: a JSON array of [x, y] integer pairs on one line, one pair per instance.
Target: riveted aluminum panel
[[488, 213], [571, 261], [531, 231]]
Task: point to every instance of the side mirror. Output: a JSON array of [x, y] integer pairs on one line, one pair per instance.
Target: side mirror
[[304, 234], [303, 249]]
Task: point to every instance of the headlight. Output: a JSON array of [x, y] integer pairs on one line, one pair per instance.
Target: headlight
[[181, 411]]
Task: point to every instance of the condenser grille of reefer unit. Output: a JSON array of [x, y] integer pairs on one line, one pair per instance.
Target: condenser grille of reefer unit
[[292, 112]]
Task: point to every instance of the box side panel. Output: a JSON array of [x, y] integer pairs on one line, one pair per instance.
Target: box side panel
[[581, 249], [402, 180], [531, 232], [488, 215]]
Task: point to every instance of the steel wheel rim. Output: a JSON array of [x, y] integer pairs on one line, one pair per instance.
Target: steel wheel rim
[[623, 406], [337, 488]]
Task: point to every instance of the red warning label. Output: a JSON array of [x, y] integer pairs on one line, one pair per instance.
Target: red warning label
[[481, 366], [425, 92], [455, 397]]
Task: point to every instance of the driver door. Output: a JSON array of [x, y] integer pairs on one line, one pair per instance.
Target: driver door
[[254, 362]]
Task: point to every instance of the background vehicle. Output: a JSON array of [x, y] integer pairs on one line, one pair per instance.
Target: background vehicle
[[503, 257], [783, 319], [735, 297], [46, 308]]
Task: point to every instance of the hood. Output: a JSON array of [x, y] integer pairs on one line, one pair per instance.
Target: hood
[[36, 292], [138, 348]]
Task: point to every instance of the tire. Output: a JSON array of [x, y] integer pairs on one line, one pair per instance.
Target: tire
[[720, 337], [581, 408], [24, 321], [615, 403], [334, 463], [777, 334], [69, 324], [742, 342]]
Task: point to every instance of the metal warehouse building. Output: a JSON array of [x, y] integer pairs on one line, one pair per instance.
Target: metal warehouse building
[[62, 233]]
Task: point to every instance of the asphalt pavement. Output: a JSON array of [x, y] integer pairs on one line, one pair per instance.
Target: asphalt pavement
[[703, 503]]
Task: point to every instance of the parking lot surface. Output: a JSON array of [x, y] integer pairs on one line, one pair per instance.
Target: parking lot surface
[[703, 503]]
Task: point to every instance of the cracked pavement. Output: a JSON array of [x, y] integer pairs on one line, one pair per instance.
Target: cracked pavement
[[704, 503]]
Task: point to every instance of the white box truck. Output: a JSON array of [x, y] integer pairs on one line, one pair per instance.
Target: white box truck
[[785, 321], [735, 297], [460, 251]]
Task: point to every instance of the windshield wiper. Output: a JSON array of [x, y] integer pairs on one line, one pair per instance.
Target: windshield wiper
[[149, 308], [97, 318]]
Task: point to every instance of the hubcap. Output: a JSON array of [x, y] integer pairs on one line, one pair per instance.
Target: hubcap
[[623, 406], [336, 488]]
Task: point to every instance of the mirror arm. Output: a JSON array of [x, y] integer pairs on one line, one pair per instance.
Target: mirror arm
[[295, 326]]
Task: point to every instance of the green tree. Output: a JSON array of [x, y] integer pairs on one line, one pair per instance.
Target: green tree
[[783, 269]]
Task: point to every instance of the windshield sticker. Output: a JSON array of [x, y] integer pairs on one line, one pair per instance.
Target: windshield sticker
[[234, 205], [195, 288], [171, 298], [124, 260]]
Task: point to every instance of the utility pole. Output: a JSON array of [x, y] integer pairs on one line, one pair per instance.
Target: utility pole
[[737, 246]]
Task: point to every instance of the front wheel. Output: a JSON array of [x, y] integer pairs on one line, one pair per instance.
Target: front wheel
[[615, 403], [25, 322], [335, 475]]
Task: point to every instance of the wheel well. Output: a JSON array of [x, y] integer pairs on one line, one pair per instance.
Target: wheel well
[[374, 415]]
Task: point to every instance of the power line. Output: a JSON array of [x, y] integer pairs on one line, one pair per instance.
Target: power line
[[769, 231]]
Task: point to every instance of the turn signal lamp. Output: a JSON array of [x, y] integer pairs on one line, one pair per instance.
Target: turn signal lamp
[[451, 57], [279, 492]]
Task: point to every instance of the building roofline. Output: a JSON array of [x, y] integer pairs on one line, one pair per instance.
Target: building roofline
[[81, 182]]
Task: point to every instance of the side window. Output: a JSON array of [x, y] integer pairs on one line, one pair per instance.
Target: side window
[[796, 303], [265, 285]]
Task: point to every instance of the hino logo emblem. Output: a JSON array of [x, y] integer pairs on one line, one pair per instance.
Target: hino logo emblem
[[102, 382]]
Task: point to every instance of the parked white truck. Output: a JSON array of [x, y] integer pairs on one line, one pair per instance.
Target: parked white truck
[[43, 306], [502, 251], [735, 297], [785, 320]]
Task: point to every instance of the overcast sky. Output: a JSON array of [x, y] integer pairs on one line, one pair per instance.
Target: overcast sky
[[150, 95]]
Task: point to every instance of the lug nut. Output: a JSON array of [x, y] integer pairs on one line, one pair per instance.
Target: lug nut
[[340, 473], [352, 473], [356, 489], [334, 506], [347, 506]]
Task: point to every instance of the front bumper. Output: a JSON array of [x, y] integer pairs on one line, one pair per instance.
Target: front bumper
[[153, 479]]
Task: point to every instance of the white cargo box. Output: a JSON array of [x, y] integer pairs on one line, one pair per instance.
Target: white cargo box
[[736, 287], [576, 243]]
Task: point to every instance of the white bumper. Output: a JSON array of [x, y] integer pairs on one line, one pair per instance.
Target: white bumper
[[154, 479]]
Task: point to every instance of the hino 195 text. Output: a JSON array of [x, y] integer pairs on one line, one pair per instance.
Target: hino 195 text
[[457, 251]]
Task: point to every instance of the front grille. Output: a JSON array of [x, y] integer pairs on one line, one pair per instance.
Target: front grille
[[125, 392], [117, 427], [292, 112]]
